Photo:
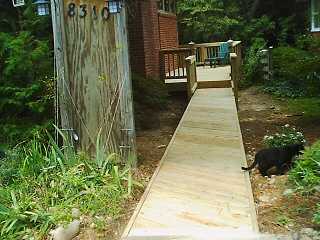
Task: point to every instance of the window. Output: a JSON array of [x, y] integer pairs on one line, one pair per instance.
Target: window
[[167, 6], [315, 15]]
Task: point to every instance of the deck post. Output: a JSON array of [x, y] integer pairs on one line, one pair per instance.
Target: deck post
[[191, 75], [235, 75]]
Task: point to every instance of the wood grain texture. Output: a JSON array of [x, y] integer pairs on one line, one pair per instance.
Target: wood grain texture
[[99, 79], [191, 75], [199, 185]]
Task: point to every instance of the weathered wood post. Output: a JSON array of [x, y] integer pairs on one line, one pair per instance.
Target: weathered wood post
[[192, 82], [93, 75], [235, 74]]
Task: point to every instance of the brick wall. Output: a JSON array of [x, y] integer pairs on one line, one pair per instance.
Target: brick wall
[[168, 30], [144, 40], [136, 45], [149, 30], [151, 37]]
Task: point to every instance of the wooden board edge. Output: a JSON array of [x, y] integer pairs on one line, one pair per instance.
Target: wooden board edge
[[253, 210], [214, 84], [136, 212]]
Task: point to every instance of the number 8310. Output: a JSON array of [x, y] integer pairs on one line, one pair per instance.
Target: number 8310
[[83, 11]]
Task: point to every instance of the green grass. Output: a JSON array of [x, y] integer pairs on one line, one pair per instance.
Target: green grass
[[309, 106], [39, 185], [305, 175]]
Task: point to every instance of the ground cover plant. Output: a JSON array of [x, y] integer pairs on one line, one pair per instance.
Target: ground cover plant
[[40, 184], [286, 136], [305, 175]]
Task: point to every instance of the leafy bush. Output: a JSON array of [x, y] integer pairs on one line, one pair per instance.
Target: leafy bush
[[316, 216], [257, 29], [26, 73], [306, 172], [286, 137], [149, 92], [295, 73], [252, 67], [39, 185], [308, 42]]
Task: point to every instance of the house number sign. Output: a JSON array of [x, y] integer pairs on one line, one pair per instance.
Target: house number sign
[[83, 10]]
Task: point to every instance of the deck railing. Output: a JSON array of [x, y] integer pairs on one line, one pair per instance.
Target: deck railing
[[172, 63], [205, 50], [174, 66]]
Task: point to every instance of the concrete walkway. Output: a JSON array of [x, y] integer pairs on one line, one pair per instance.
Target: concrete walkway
[[199, 190]]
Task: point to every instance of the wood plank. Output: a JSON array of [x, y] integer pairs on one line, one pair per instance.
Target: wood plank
[[214, 84], [199, 184], [99, 80]]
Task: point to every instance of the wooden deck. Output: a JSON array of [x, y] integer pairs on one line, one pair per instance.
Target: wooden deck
[[218, 77], [199, 191]]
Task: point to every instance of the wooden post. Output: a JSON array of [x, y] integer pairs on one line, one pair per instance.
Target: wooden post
[[92, 62], [63, 84], [234, 60], [191, 67]]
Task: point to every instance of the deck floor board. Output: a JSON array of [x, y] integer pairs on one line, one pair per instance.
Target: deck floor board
[[199, 185]]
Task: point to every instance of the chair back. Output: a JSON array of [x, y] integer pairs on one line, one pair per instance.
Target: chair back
[[224, 50]]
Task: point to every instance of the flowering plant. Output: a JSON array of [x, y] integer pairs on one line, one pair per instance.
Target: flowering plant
[[288, 135]]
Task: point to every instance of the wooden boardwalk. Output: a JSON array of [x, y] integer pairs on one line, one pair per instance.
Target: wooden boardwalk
[[199, 191]]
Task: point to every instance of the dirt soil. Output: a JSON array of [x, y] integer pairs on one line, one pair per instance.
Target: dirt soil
[[262, 115]]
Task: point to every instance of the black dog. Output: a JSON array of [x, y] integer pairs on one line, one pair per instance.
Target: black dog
[[279, 157]]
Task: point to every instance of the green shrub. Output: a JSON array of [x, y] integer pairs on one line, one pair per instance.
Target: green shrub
[[316, 216], [306, 172], [252, 68], [296, 73], [285, 137], [26, 73], [308, 42]]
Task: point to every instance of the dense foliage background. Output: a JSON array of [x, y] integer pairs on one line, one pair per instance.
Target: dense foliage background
[[284, 25], [26, 72]]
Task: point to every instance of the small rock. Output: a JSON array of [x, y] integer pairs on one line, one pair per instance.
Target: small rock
[[272, 107], [68, 233], [162, 146], [317, 188], [309, 234], [75, 212], [308, 231], [272, 181], [264, 198], [288, 192]]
